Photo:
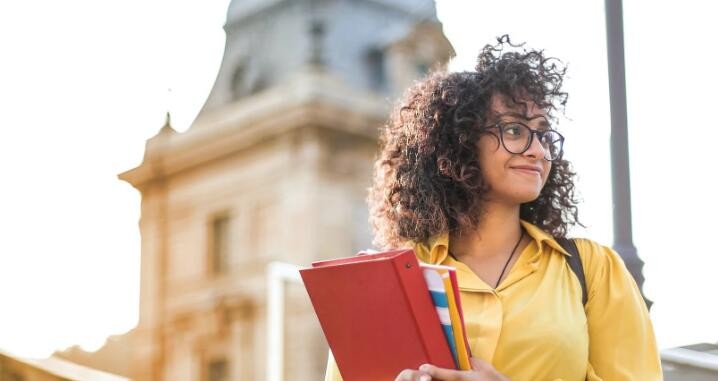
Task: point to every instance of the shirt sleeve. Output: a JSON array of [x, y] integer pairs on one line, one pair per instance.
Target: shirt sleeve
[[332, 373], [622, 344]]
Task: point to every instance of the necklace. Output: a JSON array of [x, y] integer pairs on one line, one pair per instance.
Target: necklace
[[510, 256]]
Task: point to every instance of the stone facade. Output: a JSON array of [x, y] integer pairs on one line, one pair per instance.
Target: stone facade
[[272, 172], [115, 356], [15, 368]]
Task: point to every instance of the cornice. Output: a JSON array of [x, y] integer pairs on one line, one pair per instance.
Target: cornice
[[311, 98]]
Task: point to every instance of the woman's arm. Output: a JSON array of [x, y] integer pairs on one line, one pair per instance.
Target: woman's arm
[[622, 345], [480, 371]]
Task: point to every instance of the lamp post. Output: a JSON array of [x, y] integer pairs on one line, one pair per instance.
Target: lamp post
[[621, 180]]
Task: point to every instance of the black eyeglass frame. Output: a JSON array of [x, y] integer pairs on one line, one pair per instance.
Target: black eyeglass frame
[[540, 133]]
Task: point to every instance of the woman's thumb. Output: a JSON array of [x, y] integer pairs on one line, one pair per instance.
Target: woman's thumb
[[478, 364]]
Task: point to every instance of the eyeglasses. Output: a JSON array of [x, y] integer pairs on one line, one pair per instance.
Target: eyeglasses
[[517, 138]]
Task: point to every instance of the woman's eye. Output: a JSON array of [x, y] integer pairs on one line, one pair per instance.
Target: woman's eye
[[513, 130]]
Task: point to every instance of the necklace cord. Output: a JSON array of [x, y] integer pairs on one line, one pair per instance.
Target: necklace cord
[[509, 260]]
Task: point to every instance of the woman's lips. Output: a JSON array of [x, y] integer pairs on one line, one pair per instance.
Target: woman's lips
[[528, 170]]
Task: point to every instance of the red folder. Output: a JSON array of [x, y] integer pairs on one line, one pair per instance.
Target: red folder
[[377, 315]]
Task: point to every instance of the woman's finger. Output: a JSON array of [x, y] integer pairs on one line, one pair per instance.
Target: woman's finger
[[478, 364], [442, 373], [412, 375], [486, 370], [405, 375]]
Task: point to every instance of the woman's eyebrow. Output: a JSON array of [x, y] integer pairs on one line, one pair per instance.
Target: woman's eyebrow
[[543, 123], [512, 114], [521, 116]]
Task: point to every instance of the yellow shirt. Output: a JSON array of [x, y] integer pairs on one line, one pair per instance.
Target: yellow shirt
[[534, 326]]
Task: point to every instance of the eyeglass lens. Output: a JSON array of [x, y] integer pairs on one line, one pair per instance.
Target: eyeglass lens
[[517, 138]]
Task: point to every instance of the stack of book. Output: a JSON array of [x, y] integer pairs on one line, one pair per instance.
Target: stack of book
[[382, 313], [444, 289]]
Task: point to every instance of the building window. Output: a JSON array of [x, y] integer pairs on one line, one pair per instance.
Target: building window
[[239, 85], [218, 370], [219, 247], [422, 69], [377, 69]]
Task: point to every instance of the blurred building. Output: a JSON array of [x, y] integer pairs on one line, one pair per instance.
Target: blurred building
[[698, 362], [115, 356], [274, 168], [15, 368]]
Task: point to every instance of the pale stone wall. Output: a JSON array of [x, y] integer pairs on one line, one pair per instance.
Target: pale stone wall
[[53, 368], [296, 198], [285, 171]]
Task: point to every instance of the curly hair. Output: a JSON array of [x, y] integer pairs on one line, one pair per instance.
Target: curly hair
[[427, 179]]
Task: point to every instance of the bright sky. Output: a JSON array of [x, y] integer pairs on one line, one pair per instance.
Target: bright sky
[[84, 83]]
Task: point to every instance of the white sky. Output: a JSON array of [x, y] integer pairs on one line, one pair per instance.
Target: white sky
[[84, 83]]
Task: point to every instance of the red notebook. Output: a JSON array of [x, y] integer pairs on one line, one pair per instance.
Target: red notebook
[[377, 315]]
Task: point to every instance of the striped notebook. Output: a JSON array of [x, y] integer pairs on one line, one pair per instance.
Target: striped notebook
[[444, 290]]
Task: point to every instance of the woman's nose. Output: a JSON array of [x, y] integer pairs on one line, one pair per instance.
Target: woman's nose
[[535, 150]]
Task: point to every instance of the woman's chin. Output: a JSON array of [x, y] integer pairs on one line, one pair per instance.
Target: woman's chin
[[526, 197], [515, 198]]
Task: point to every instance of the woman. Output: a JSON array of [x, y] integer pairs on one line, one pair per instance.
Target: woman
[[471, 175]]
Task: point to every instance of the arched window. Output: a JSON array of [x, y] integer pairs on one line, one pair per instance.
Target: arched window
[[239, 82]]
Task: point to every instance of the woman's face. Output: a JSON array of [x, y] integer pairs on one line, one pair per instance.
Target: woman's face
[[513, 178]]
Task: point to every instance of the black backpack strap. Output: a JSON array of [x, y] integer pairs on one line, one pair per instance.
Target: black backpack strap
[[574, 262]]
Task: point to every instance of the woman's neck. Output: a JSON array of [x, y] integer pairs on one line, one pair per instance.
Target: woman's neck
[[498, 230]]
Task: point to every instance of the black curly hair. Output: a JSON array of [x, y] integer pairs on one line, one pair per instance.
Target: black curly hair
[[427, 179]]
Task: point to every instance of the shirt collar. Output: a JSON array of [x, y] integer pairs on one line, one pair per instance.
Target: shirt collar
[[436, 249]]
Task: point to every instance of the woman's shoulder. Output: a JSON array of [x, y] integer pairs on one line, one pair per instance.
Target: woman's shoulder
[[600, 261], [591, 250]]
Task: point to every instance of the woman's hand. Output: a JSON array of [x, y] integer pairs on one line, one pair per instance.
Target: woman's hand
[[481, 371]]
